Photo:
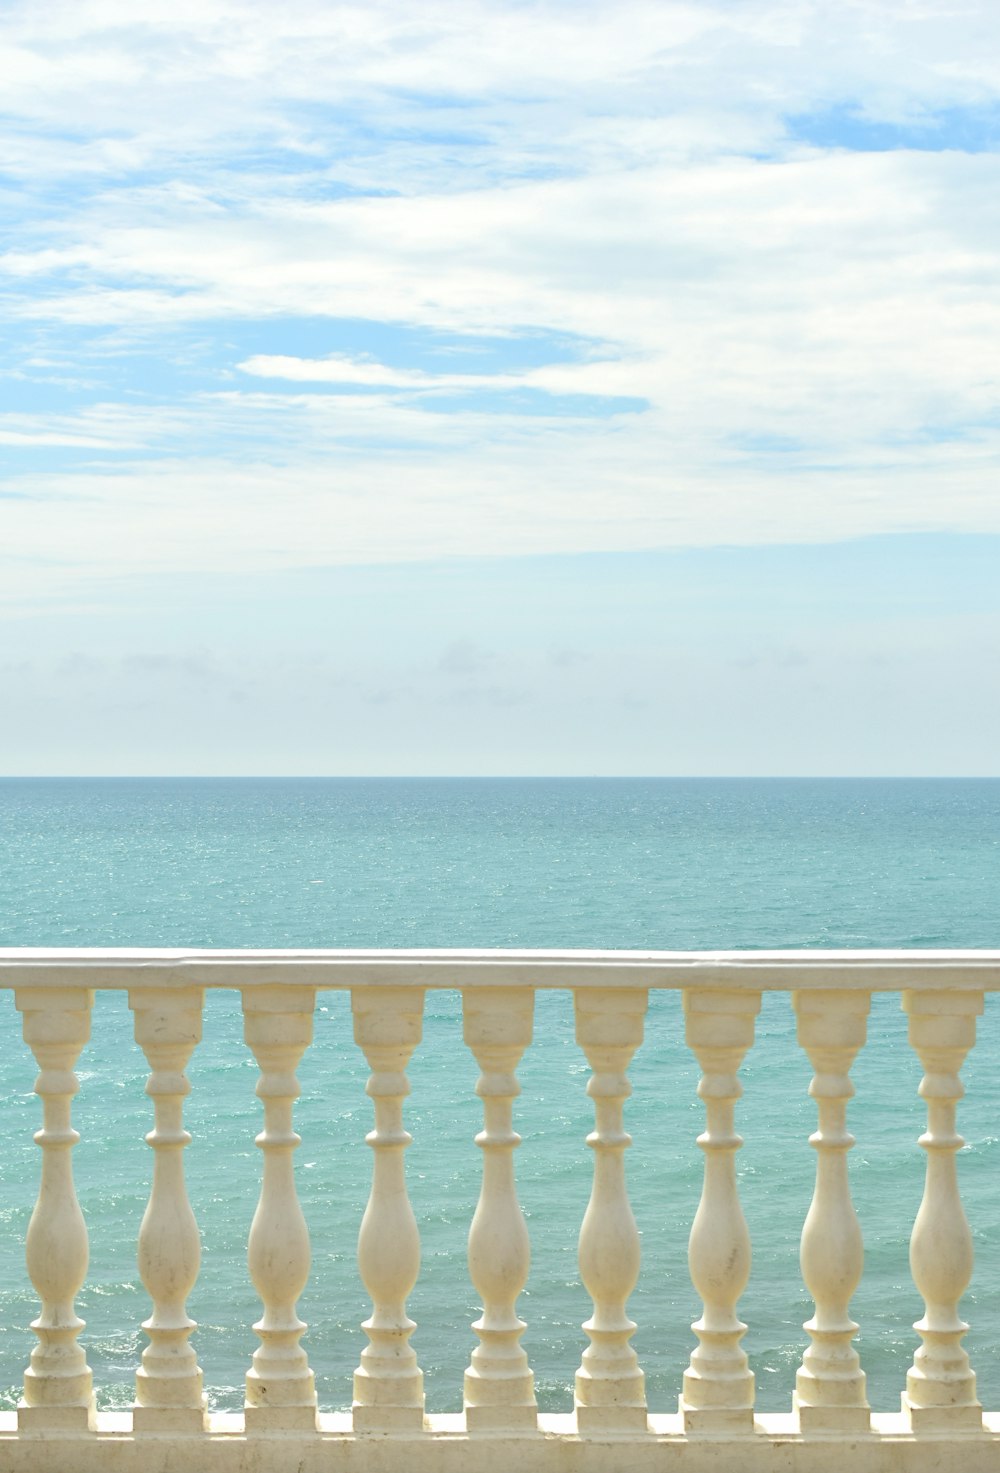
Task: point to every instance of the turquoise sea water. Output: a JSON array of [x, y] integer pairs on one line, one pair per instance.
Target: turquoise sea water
[[569, 863]]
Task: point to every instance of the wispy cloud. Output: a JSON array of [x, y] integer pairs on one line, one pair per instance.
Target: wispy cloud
[[229, 215], [609, 378]]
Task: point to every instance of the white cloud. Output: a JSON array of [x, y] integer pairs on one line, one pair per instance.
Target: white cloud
[[827, 298], [813, 330], [72, 537], [138, 86], [598, 378], [24, 438]]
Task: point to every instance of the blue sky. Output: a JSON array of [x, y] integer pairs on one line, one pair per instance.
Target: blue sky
[[503, 387]]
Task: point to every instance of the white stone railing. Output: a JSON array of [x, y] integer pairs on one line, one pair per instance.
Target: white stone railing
[[389, 1429]]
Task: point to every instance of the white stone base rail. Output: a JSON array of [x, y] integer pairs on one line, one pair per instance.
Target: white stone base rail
[[829, 1424]]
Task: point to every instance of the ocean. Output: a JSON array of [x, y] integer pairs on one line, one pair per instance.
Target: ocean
[[633, 863]]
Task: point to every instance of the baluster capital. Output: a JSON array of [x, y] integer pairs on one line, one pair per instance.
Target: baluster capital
[[278, 1024], [167, 1025], [610, 1018], [497, 1020], [720, 1020], [56, 1019], [388, 1019], [942, 1029], [834, 1020]]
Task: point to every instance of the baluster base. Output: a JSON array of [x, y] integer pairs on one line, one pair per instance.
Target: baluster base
[[157, 1390], [611, 1404], [830, 1402], [280, 1419], [718, 1392], [499, 1399], [615, 1397], [612, 1418], [388, 1403], [170, 1419], [728, 1420], [963, 1419], [387, 1418], [277, 1405], [847, 1418], [501, 1418], [56, 1419]]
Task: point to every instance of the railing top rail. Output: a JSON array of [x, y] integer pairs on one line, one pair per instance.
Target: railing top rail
[[768, 970]]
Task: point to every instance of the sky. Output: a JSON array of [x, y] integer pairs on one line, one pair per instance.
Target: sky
[[572, 387]]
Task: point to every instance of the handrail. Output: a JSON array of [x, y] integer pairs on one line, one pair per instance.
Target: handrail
[[781, 971]]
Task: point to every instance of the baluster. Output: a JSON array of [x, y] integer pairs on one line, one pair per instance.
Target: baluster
[[388, 1384], [168, 1385], [940, 1390], [499, 1385], [610, 1387], [718, 1390], [280, 1387], [58, 1385], [830, 1385]]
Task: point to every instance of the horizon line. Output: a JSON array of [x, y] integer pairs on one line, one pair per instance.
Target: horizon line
[[499, 777]]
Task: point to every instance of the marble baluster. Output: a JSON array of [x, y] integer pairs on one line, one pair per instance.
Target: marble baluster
[[388, 1383], [718, 1392], [168, 1394], [610, 1386], [499, 1385], [58, 1385], [830, 1393], [280, 1388], [940, 1393]]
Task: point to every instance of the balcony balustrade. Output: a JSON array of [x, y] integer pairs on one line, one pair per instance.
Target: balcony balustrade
[[829, 1424]]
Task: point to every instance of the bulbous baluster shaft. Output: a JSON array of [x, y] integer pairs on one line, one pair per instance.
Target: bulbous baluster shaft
[[830, 1385], [499, 1385], [940, 1393], [388, 1384], [280, 1388], [168, 1392], [718, 1390], [610, 1387], [58, 1385]]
